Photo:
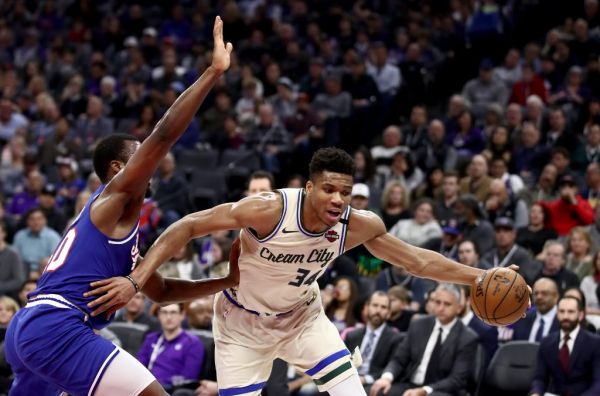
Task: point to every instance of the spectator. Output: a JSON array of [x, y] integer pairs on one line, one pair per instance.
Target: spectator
[[507, 252], [27, 287], [415, 132], [553, 267], [545, 188], [376, 340], [589, 285], [364, 166], [383, 154], [213, 119], [401, 311], [404, 169], [170, 192], [200, 313], [145, 123], [172, 355], [12, 270], [511, 70], [395, 203], [488, 335], [594, 230], [135, 312], [531, 155], [568, 359], [484, 90], [592, 180], [284, 101], [386, 75], [579, 249], [8, 309], [533, 236], [10, 121], [500, 203], [576, 293], [558, 134], [477, 181], [341, 309], [269, 138], [445, 209], [93, 125], [467, 139], [183, 265], [569, 210], [54, 215], [419, 362], [333, 106], [260, 181], [36, 243], [420, 229], [499, 170], [435, 154], [468, 254], [542, 321], [499, 145], [69, 184], [528, 84], [472, 223], [28, 199], [59, 144]]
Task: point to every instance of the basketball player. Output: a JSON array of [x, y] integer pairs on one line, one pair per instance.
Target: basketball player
[[51, 344], [288, 238]]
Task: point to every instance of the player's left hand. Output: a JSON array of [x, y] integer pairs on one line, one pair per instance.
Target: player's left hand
[[221, 57], [114, 294]]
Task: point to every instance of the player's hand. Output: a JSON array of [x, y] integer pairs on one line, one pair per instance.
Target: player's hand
[[207, 388], [221, 52], [381, 384], [415, 392], [234, 269], [114, 294], [515, 268]]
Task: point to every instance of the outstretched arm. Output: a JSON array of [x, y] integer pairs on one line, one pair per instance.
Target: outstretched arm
[[133, 180], [366, 227], [261, 212]]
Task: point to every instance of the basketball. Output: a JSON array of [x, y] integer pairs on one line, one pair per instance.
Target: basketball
[[499, 296]]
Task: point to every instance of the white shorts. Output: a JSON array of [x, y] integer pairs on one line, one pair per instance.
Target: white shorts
[[124, 376], [247, 344]]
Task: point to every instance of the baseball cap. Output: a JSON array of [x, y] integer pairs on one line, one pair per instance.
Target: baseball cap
[[451, 230], [150, 31], [504, 222], [360, 190], [285, 82], [567, 179], [49, 189], [486, 64]]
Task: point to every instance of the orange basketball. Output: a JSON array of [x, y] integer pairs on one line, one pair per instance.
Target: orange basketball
[[499, 296]]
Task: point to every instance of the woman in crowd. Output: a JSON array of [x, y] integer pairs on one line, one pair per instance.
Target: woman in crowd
[[589, 284], [183, 265], [579, 257], [8, 309], [420, 229], [533, 236], [365, 166], [341, 308], [394, 203]]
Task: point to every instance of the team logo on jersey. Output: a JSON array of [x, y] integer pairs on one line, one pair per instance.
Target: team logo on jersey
[[332, 236], [135, 252]]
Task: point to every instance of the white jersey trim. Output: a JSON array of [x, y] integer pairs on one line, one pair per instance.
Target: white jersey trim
[[127, 239]]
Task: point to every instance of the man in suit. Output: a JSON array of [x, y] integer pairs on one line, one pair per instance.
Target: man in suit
[[535, 326], [569, 359], [488, 335], [377, 341], [436, 356]]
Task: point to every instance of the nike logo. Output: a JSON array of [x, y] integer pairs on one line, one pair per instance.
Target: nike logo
[[288, 231]]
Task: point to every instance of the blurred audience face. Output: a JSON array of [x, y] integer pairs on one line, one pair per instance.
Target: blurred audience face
[[342, 290], [498, 191], [27, 288], [200, 313], [545, 295], [450, 186], [592, 175], [423, 213], [593, 136], [171, 317], [8, 309], [136, 305], [478, 167], [36, 221], [548, 177], [378, 310], [266, 116], [579, 242], [536, 215], [467, 254], [436, 132], [554, 258], [557, 120], [530, 135], [418, 116], [446, 306], [505, 238], [258, 185], [568, 314], [167, 165], [359, 202], [396, 197], [392, 136]]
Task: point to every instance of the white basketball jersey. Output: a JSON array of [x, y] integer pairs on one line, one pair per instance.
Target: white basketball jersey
[[279, 271]]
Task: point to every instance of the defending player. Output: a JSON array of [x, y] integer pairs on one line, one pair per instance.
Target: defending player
[[288, 237], [50, 344]]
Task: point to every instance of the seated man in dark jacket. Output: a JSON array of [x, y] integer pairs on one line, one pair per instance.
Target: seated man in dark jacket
[[436, 355], [569, 359]]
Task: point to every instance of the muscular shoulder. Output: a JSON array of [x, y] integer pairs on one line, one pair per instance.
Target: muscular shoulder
[[259, 211], [363, 226]]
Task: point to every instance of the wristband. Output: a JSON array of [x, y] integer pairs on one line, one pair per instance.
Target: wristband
[[133, 282]]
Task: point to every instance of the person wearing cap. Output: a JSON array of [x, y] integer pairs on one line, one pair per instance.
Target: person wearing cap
[[55, 216], [507, 252], [472, 222], [447, 245], [570, 209], [283, 102], [484, 90]]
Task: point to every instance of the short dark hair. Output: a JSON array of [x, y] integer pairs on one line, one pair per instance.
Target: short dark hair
[[33, 210], [261, 174], [109, 149], [580, 305], [331, 159], [380, 294], [472, 242]]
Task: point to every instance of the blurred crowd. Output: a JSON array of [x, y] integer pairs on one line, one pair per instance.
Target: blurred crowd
[[474, 124]]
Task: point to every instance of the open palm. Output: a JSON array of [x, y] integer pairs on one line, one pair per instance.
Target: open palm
[[221, 52]]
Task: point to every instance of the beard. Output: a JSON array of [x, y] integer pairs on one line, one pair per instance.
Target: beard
[[567, 325], [376, 320]]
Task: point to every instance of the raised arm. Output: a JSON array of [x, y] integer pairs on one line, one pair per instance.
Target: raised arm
[[366, 227], [172, 125]]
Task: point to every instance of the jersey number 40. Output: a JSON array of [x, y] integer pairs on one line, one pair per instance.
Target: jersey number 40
[[62, 251]]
